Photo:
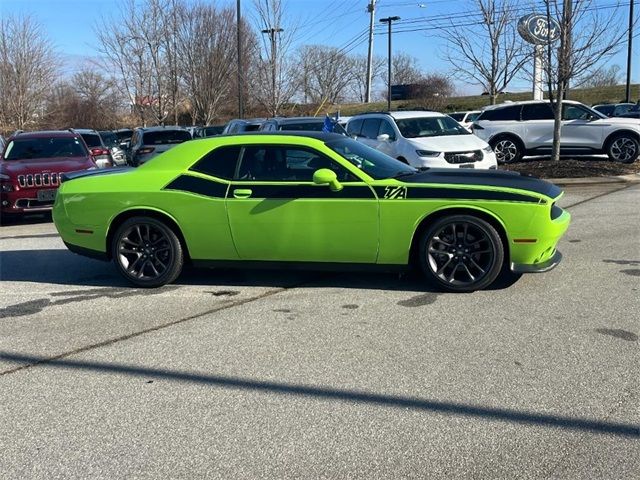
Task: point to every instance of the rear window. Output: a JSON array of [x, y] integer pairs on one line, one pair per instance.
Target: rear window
[[501, 114], [53, 147], [91, 139], [457, 116], [165, 136], [252, 127], [307, 126], [220, 162], [110, 139]]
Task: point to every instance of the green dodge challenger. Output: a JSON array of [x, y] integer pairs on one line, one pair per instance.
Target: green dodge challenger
[[314, 199]]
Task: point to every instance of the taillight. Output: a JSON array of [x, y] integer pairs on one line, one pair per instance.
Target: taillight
[[145, 150]]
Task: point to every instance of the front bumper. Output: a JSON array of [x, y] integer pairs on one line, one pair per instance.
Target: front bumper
[[541, 267]]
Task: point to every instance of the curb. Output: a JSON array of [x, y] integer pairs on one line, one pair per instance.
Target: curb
[[632, 178]]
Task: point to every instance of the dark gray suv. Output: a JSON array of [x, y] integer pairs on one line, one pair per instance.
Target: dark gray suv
[[148, 142]]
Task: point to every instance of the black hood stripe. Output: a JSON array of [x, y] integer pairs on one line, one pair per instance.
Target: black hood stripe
[[488, 178]]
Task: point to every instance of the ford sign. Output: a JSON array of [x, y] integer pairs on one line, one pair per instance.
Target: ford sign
[[535, 28]]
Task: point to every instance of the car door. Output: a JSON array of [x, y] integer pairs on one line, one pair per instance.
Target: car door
[[538, 123], [580, 128], [276, 212]]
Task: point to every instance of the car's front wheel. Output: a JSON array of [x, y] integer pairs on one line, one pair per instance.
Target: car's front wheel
[[147, 252], [623, 148], [507, 149], [461, 253]]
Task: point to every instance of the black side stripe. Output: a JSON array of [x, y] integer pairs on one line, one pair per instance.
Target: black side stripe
[[294, 191], [460, 194], [199, 186]]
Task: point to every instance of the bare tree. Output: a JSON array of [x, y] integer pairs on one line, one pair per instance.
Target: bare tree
[[27, 71], [587, 37], [433, 91], [602, 77], [325, 73], [207, 57], [358, 86], [488, 52], [274, 80], [405, 70]]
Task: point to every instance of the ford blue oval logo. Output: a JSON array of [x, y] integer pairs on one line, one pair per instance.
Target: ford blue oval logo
[[538, 29]]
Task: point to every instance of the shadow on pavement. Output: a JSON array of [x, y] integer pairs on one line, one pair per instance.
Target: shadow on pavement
[[334, 394], [30, 219], [61, 267]]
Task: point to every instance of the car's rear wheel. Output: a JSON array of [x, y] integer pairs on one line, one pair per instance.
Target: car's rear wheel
[[507, 149], [623, 148], [147, 252], [461, 253]]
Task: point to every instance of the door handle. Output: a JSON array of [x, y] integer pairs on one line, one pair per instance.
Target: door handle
[[242, 193]]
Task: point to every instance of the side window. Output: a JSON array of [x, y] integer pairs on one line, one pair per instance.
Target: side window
[[370, 128], [501, 114], [386, 128], [220, 163], [537, 111], [575, 112], [281, 163], [354, 127], [620, 109]]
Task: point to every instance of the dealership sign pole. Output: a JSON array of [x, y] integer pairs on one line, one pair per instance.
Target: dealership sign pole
[[538, 30]]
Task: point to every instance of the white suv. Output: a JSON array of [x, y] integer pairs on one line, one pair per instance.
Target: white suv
[[422, 139], [526, 128]]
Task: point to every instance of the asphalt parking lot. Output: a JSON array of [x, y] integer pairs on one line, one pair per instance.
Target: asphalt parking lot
[[264, 374]]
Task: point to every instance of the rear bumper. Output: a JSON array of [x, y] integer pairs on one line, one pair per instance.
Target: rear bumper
[[87, 252], [541, 267]]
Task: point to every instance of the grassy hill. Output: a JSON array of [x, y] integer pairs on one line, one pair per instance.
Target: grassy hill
[[588, 96]]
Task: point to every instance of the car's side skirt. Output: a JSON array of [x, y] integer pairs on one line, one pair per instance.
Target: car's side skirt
[[311, 266]]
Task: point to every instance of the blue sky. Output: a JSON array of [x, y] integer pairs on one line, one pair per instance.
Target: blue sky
[[70, 24]]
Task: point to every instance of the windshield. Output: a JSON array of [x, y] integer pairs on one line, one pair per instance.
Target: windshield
[[56, 147], [430, 127], [166, 136], [372, 162]]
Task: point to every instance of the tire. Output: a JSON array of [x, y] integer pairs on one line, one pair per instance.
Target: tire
[[507, 149], [147, 252], [623, 148], [472, 262]]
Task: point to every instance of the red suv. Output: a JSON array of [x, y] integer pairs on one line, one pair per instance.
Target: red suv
[[31, 166]]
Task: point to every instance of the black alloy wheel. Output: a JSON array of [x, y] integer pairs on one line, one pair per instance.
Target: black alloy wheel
[[507, 150], [624, 149], [461, 253], [147, 252]]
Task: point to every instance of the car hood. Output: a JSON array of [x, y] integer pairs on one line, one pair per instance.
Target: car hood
[[449, 143], [484, 178], [46, 165]]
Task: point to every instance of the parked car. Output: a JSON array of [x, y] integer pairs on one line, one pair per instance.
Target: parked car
[[307, 199], [614, 109], [633, 114], [99, 151], [526, 128], [149, 142], [240, 126], [31, 166], [209, 131], [465, 118], [124, 137], [311, 124], [422, 139], [110, 139], [3, 142]]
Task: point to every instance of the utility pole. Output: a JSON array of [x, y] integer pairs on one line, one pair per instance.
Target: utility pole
[[274, 59], [240, 74], [371, 8], [389, 21], [629, 50]]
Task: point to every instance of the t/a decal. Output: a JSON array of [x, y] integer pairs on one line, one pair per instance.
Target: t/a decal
[[393, 193]]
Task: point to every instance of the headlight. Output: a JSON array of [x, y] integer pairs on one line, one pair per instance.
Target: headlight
[[487, 149], [427, 153]]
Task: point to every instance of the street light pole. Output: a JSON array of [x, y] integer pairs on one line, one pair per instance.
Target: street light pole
[[272, 34], [240, 74], [629, 50], [371, 8], [389, 20]]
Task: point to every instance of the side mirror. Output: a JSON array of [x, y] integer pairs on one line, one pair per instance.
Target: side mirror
[[383, 137], [324, 176]]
